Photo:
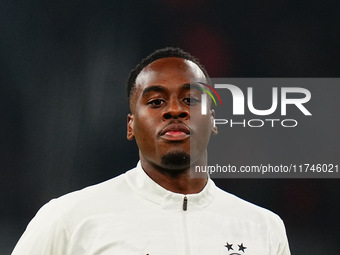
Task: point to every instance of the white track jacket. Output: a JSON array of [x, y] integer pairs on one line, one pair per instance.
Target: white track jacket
[[133, 215]]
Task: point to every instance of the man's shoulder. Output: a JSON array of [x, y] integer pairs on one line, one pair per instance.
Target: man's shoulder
[[102, 191], [94, 199], [241, 209], [239, 217], [59, 218]]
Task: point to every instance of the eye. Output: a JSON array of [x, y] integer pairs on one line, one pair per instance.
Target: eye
[[155, 103], [191, 101]]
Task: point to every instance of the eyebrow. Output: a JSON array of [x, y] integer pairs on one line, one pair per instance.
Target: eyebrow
[[159, 88], [192, 86], [154, 88]]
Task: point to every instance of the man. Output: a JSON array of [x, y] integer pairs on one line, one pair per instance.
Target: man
[[158, 207]]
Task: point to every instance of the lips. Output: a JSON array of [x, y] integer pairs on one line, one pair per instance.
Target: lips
[[175, 132]]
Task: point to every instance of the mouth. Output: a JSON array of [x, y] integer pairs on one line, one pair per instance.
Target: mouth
[[175, 132]]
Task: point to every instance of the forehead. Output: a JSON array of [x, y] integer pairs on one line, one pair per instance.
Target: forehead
[[168, 71]]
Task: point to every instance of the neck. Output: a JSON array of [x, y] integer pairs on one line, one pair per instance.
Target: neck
[[176, 180]]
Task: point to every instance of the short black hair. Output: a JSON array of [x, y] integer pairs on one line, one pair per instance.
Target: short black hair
[[167, 52]]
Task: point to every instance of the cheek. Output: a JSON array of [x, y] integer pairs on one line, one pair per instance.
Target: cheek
[[204, 130], [144, 129], [203, 125]]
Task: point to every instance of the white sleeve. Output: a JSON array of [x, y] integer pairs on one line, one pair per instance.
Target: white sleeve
[[278, 238], [46, 234]]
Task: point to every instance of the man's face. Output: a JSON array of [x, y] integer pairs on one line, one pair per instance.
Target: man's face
[[162, 106]]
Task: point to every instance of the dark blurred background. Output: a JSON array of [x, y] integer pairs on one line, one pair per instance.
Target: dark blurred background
[[63, 106]]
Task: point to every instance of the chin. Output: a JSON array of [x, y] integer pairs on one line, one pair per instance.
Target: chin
[[176, 160]]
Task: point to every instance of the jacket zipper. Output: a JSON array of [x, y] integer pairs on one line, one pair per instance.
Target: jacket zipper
[[185, 203], [185, 227]]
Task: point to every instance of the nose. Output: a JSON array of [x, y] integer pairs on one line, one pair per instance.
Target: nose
[[175, 111]]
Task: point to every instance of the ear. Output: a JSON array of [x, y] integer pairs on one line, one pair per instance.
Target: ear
[[214, 130], [130, 135]]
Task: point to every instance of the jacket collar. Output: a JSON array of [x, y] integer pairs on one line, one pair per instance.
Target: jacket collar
[[139, 181]]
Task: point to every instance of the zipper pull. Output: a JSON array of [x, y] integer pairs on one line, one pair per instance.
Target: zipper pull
[[185, 203]]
